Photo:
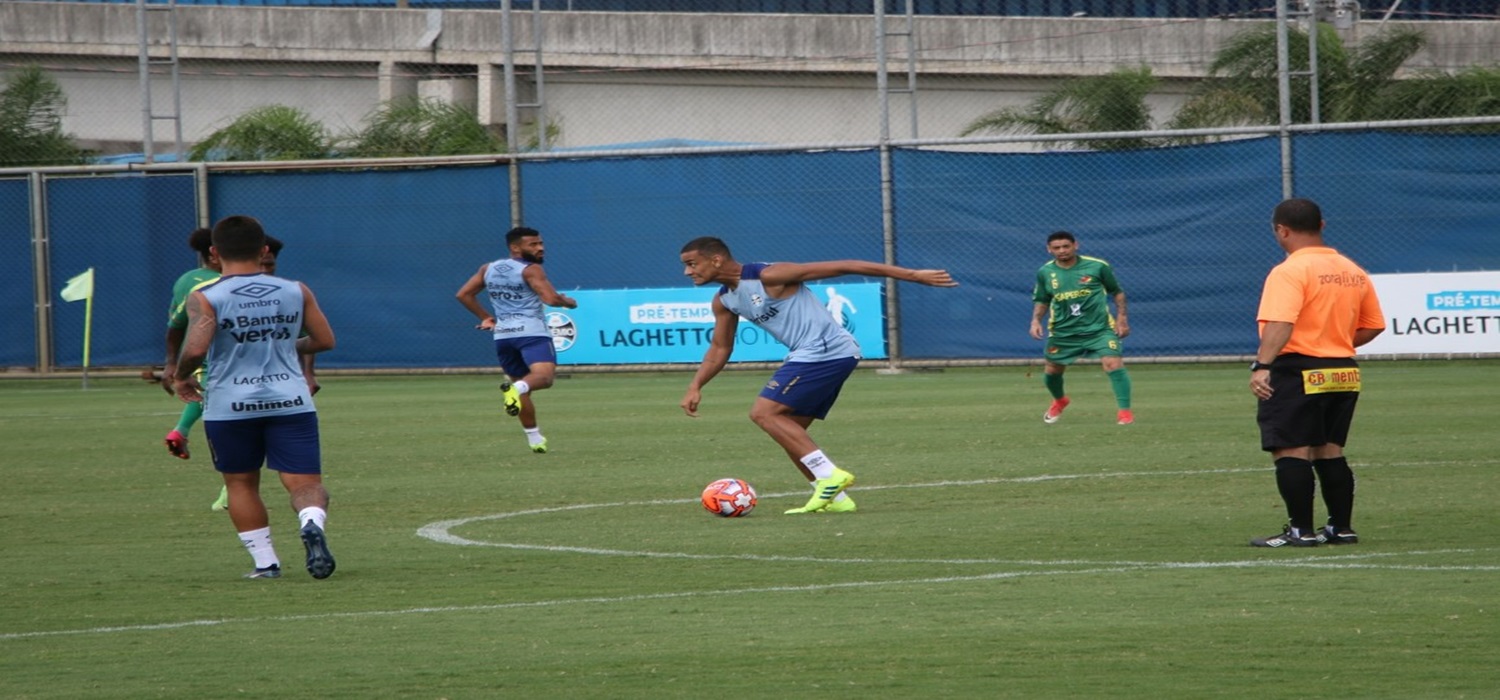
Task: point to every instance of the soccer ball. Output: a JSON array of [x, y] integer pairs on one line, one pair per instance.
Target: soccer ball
[[729, 498]]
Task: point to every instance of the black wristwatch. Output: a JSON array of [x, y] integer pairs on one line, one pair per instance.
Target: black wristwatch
[[1257, 365]]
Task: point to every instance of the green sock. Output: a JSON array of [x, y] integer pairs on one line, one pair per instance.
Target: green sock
[[1054, 384], [190, 415], [1119, 380]]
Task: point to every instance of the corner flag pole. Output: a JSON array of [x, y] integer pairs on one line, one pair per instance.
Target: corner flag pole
[[81, 287]]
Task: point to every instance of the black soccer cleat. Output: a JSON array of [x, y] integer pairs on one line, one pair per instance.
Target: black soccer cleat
[[319, 559], [272, 571], [1287, 538], [1332, 535]]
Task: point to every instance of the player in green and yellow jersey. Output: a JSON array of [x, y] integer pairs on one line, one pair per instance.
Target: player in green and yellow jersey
[[1073, 291], [206, 272]]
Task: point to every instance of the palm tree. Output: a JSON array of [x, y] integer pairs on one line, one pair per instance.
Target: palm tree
[[31, 109], [1473, 91], [273, 132], [1243, 89], [1243, 85], [414, 126], [1112, 102]]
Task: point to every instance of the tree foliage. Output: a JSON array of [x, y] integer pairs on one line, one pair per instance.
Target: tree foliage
[[413, 126], [32, 105], [1243, 88], [1112, 102], [273, 132]]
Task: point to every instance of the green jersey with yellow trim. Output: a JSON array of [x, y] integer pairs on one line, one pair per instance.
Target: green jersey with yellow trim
[[1077, 296], [186, 284]]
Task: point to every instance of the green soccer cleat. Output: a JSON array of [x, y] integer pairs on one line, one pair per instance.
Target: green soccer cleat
[[223, 502], [541, 447], [840, 506], [824, 490], [512, 399]]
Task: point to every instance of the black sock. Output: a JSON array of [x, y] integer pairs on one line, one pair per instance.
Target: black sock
[[1294, 478], [1337, 483]]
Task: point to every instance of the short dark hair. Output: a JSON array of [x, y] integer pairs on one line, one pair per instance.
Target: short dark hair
[[239, 238], [1061, 236], [707, 245], [1299, 215], [518, 233], [274, 244], [200, 240]]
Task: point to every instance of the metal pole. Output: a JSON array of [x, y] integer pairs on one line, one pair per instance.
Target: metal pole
[[1313, 30], [541, 95], [887, 193], [41, 271], [508, 50], [911, 63], [176, 86], [200, 182], [144, 61], [1284, 88]]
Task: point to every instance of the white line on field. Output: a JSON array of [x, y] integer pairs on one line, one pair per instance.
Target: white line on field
[[441, 531], [608, 600], [438, 532]]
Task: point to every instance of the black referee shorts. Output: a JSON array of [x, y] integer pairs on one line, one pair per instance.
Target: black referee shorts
[[1312, 402]]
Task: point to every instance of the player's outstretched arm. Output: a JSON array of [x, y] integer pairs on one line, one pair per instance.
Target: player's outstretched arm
[[793, 273]]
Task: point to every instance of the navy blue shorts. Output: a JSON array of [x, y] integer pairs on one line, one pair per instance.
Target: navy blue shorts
[[517, 355], [810, 388], [283, 443]]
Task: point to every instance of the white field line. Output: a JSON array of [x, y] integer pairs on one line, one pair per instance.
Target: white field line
[[438, 532], [609, 600]]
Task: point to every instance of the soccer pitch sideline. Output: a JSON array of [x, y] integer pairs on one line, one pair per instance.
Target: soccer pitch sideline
[[992, 555]]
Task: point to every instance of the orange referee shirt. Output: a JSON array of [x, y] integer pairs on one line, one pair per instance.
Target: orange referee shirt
[[1325, 296]]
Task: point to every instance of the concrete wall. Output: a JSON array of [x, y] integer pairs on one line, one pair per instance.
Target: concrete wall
[[614, 77]]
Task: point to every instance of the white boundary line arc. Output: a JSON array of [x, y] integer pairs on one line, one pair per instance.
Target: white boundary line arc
[[440, 531]]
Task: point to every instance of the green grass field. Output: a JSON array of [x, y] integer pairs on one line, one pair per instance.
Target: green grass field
[[992, 555]]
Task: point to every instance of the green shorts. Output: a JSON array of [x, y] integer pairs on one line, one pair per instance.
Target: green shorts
[[1063, 351]]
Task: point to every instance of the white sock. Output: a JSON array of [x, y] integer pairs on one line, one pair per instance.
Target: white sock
[[258, 543], [522, 387], [317, 515], [818, 463], [534, 436]]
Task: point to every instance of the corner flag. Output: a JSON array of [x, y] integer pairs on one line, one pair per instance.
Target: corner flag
[[80, 287]]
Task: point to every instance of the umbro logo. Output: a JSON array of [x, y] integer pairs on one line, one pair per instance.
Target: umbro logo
[[255, 290]]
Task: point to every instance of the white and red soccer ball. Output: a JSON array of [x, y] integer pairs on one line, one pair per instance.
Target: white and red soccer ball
[[729, 498]]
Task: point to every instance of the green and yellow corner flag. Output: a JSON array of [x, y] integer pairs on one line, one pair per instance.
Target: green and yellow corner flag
[[80, 287]]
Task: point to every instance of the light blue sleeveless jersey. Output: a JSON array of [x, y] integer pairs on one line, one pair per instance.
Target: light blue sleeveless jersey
[[800, 322], [254, 351], [518, 310]]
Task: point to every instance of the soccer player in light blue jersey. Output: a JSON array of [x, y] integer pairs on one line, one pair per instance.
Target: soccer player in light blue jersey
[[257, 405], [517, 287], [823, 354]]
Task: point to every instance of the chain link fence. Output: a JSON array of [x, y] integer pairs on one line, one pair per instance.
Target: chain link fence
[[752, 136]]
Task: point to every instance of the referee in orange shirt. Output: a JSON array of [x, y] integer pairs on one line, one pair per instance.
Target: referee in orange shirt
[[1316, 308]]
